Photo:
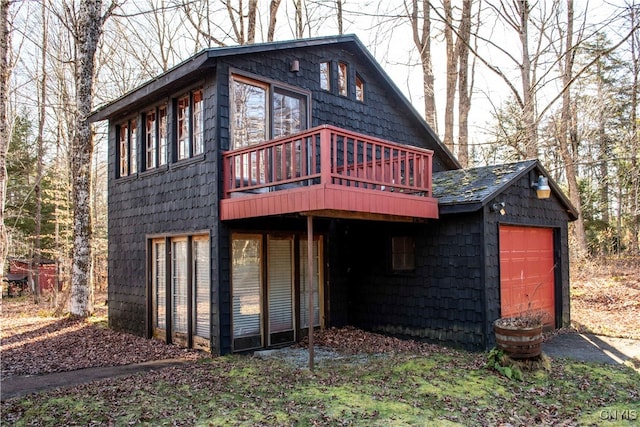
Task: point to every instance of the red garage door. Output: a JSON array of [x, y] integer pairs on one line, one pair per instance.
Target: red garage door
[[527, 274]]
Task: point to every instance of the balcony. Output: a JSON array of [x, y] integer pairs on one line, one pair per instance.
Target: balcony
[[329, 172]]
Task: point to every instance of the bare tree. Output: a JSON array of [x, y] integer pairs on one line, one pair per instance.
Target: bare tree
[[634, 140], [87, 28], [419, 14], [457, 41], [273, 14], [567, 128], [452, 74], [42, 104], [465, 86], [4, 128], [339, 16]]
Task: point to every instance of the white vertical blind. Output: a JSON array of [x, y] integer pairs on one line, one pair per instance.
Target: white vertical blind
[[304, 294], [179, 284], [159, 284], [280, 284], [246, 280], [202, 283]]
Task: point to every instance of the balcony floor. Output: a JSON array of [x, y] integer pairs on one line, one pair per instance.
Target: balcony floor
[[331, 201]]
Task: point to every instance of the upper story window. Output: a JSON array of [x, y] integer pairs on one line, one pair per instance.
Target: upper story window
[[261, 111], [343, 81], [359, 88], [190, 125], [127, 133], [325, 75], [156, 137]]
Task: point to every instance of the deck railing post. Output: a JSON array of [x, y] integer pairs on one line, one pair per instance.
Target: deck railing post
[[326, 142]]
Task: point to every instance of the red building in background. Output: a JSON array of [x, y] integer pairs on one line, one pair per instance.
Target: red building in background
[[23, 270]]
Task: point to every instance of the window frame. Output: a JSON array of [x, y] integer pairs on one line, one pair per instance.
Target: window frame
[[360, 88], [127, 147], [327, 73], [343, 73], [271, 88], [185, 122], [403, 254], [159, 134], [164, 329]]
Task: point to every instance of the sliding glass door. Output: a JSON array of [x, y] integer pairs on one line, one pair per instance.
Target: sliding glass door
[[269, 289]]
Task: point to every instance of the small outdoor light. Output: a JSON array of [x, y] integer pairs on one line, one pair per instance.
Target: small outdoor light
[[295, 66], [543, 191], [499, 207]]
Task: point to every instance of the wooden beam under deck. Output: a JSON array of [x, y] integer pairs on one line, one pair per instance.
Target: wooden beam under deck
[[331, 200]]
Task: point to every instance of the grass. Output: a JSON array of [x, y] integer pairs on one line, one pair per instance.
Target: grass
[[394, 390]]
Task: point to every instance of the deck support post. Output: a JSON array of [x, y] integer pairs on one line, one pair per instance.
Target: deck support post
[[310, 287]]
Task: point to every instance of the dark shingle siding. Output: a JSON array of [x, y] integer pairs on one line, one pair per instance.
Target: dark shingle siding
[[523, 208], [441, 301], [180, 198]]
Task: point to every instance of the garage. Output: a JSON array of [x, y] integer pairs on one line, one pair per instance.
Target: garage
[[527, 271]]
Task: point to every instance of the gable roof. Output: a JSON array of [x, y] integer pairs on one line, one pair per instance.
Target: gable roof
[[467, 190], [194, 66]]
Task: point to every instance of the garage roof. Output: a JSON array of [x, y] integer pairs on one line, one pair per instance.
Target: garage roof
[[467, 190]]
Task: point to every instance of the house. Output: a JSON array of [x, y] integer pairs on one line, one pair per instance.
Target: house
[[236, 171], [21, 272]]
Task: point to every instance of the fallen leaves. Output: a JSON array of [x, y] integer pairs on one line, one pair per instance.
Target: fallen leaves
[[38, 345], [605, 298]]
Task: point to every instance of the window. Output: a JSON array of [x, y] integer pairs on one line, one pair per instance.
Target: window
[[159, 280], [270, 290], [198, 123], [289, 113], [152, 147], [403, 254], [133, 147], [124, 149], [325, 76], [304, 283], [186, 289], [190, 125], [155, 131], [343, 82], [249, 113], [127, 133], [359, 88], [162, 135], [251, 105], [202, 289], [183, 127]]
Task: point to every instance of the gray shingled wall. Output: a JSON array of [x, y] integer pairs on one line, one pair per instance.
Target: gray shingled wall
[[179, 198], [523, 208]]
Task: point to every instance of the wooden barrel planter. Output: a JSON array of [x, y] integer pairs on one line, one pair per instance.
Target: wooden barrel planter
[[518, 342]]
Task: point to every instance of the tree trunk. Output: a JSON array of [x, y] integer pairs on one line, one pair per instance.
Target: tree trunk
[[339, 7], [422, 41], [464, 89], [635, 141], [299, 29], [273, 12], [251, 26], [565, 131], [528, 93], [37, 252], [4, 128], [89, 27], [452, 75]]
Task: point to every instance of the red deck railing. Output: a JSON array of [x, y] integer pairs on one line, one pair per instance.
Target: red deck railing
[[328, 155]]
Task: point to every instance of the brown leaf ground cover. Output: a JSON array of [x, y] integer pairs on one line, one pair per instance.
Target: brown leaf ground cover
[[34, 342], [605, 298], [410, 383]]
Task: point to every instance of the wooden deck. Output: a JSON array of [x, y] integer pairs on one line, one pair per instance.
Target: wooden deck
[[329, 172]]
